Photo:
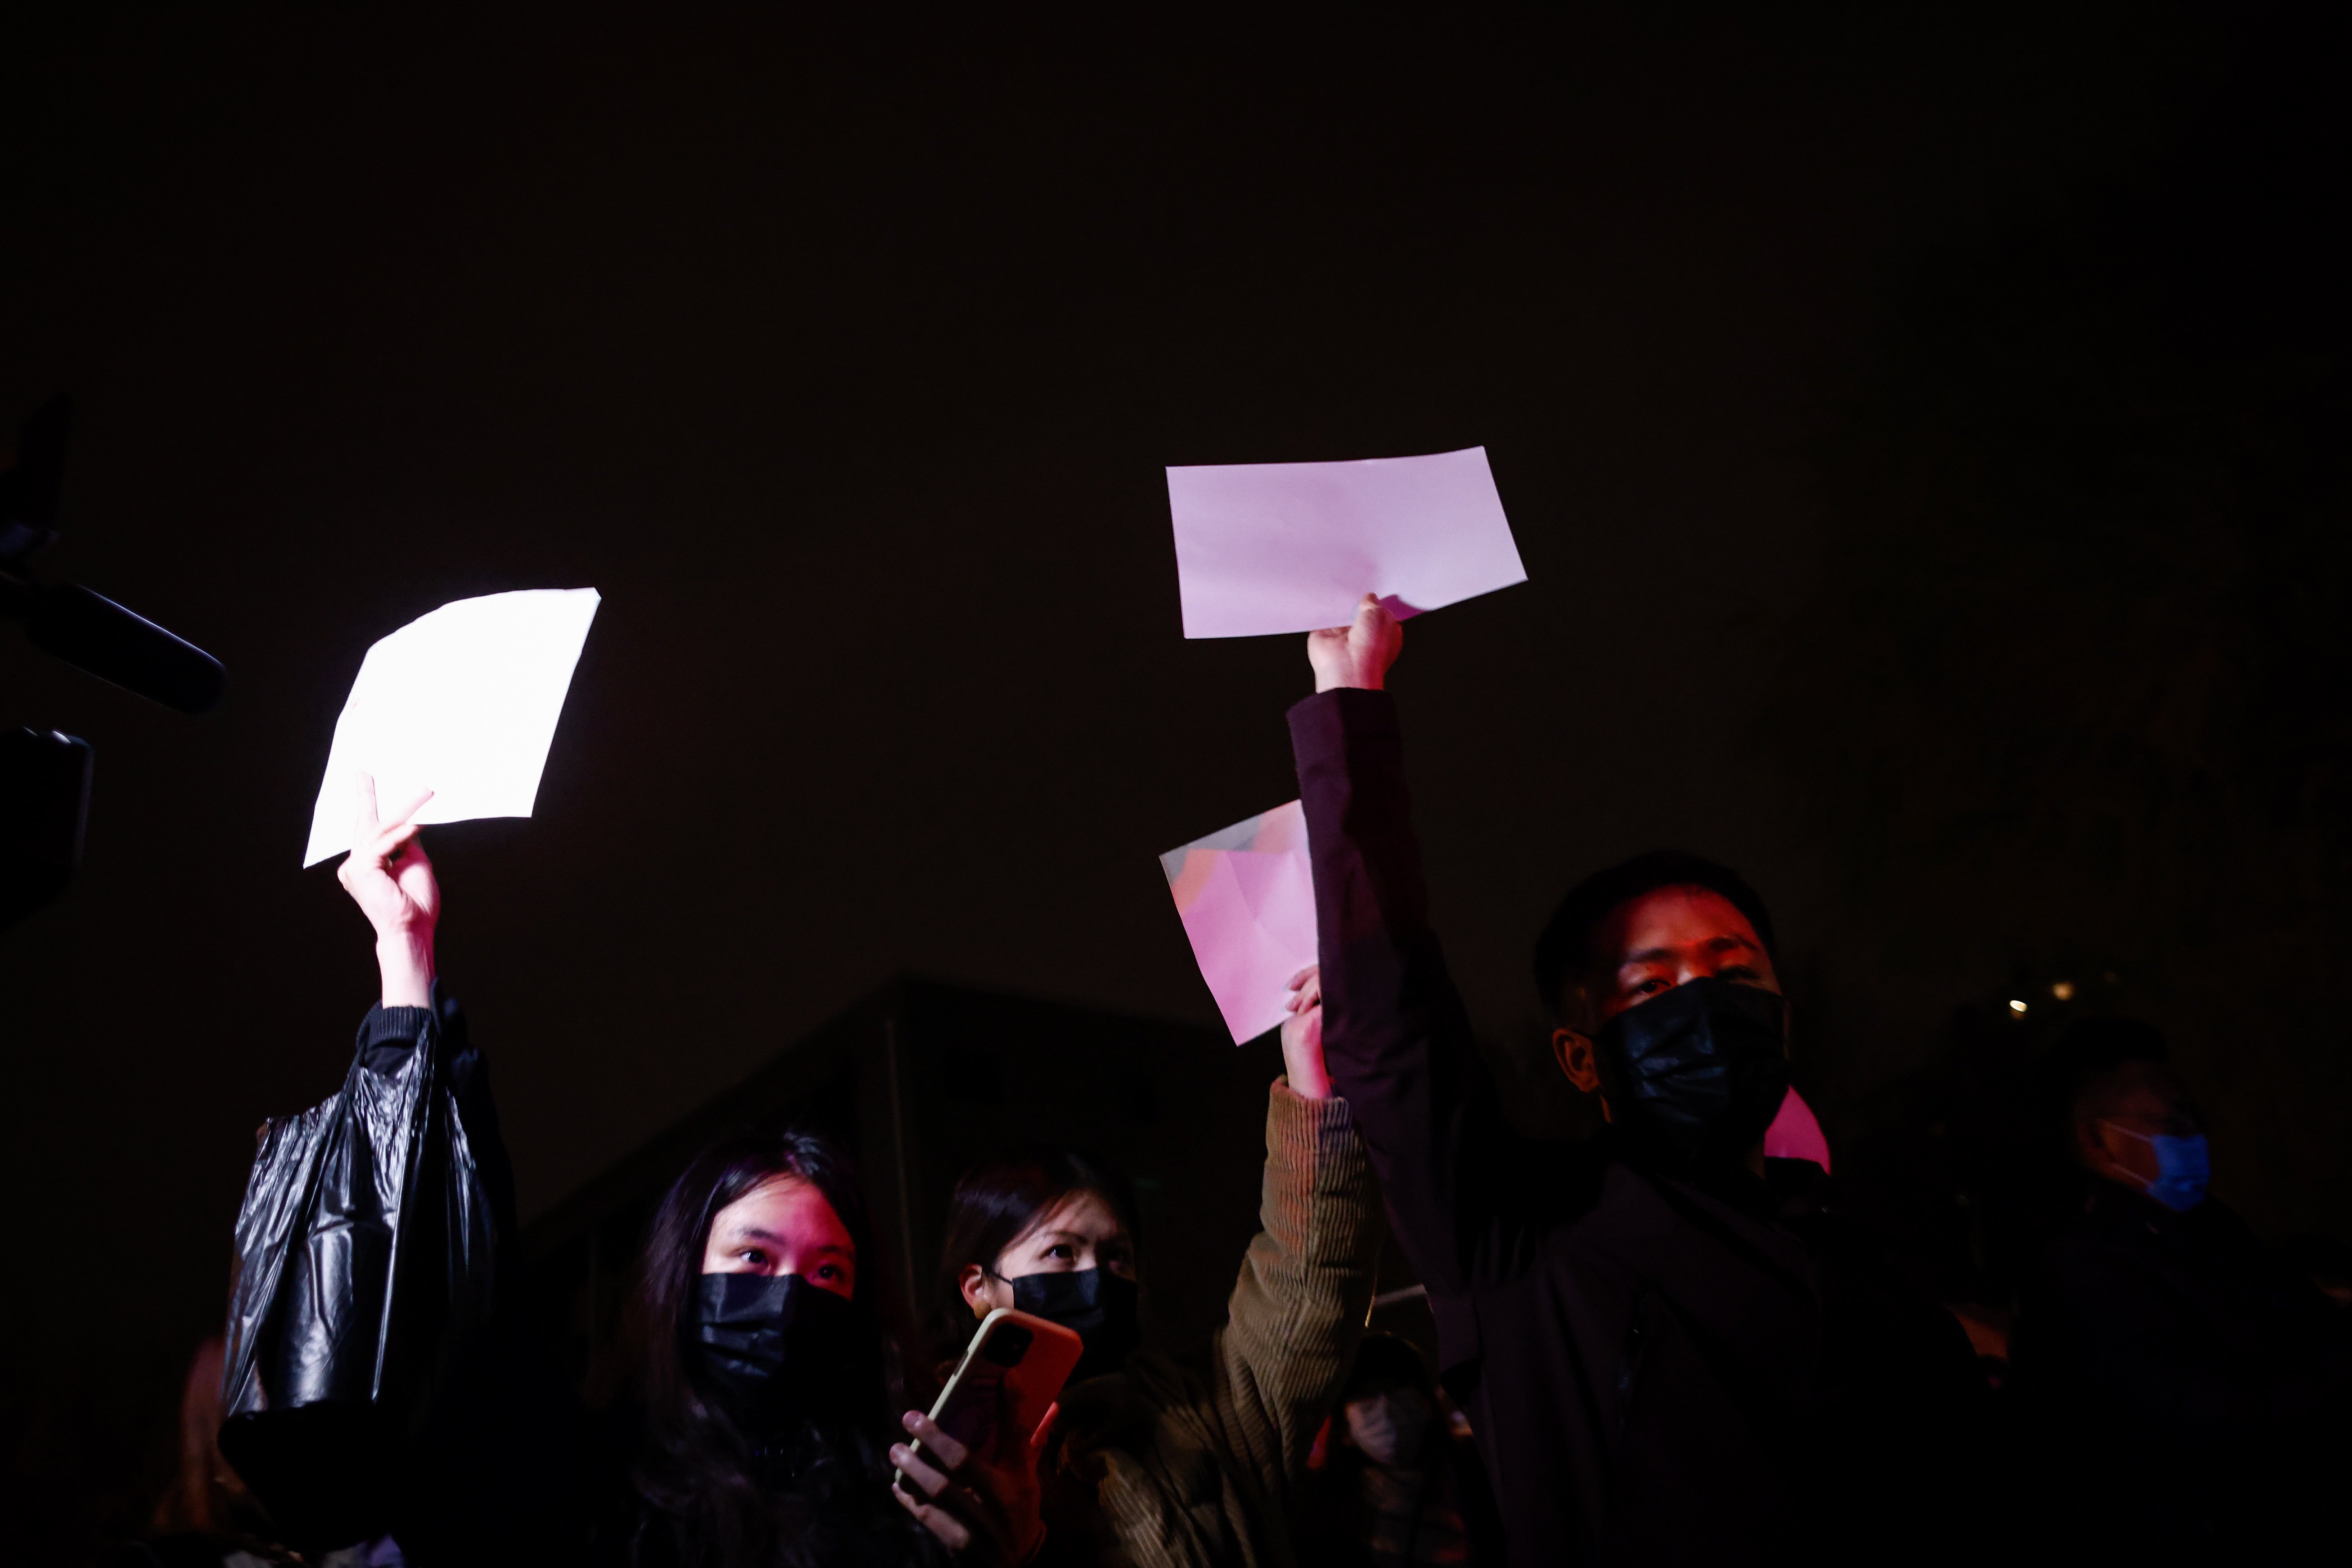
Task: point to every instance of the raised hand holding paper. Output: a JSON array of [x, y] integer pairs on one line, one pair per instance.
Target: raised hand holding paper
[[1291, 547], [462, 703], [1248, 900]]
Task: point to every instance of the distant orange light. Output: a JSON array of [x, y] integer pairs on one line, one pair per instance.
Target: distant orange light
[[2063, 991]]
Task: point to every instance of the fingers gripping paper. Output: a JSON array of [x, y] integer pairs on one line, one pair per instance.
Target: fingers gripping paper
[[1247, 899], [1291, 547], [462, 703]]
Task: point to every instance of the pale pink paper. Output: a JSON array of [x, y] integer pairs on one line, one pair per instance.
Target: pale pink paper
[[1248, 900], [1292, 547], [1795, 1134]]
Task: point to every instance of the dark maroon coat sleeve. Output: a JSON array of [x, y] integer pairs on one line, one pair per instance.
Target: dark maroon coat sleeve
[[1395, 1034]]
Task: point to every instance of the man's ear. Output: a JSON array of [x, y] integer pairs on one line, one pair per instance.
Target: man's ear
[[1574, 1053]]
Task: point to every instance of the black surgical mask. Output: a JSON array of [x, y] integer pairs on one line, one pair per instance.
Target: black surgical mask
[[782, 1348], [1096, 1304], [1694, 1075]]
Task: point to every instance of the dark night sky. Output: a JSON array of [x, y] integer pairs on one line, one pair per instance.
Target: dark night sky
[[844, 365]]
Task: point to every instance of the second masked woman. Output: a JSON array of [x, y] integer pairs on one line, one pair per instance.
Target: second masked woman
[[1193, 1457]]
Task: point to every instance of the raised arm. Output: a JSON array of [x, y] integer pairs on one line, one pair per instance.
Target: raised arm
[[377, 1234], [1395, 1034], [1305, 1284], [389, 878]]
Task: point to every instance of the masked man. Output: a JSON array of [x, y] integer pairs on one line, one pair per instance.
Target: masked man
[[1394, 1485], [1669, 1350], [2187, 1386]]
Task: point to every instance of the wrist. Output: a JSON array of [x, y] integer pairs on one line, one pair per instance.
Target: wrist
[[1346, 680], [405, 961], [1309, 1080]]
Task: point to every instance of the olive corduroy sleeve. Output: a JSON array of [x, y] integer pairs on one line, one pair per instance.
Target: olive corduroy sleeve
[[1297, 1311]]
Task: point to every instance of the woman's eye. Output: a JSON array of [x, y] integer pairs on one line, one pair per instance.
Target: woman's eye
[[754, 1257], [828, 1272], [1060, 1249]]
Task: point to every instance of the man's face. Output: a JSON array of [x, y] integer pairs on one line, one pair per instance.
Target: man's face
[[1388, 1421], [2114, 1140], [1649, 945], [1669, 938]]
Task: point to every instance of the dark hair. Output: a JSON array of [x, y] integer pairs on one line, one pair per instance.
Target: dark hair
[[2088, 1060], [994, 1203], [1387, 1361], [696, 1464], [2095, 1044], [1565, 948]]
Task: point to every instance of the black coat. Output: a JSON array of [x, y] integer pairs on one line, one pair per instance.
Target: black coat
[[1655, 1372], [2184, 1395], [508, 1468]]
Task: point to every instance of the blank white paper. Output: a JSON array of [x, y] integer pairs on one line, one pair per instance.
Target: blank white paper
[[1292, 547], [462, 703]]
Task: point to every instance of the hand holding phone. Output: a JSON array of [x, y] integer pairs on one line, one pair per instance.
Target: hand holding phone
[[1012, 1373], [985, 1432]]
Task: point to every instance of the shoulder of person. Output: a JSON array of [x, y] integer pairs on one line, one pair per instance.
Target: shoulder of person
[[2116, 1218]]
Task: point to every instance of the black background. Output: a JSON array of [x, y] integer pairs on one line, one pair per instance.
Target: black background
[[843, 361]]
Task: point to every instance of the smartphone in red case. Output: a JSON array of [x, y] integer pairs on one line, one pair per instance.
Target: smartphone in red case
[[1011, 1372]]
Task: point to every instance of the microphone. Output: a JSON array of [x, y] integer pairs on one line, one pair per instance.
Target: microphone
[[45, 775], [32, 485], [87, 630], [91, 632], [44, 810]]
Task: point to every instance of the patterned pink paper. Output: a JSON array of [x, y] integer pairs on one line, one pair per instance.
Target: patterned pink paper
[[1248, 900]]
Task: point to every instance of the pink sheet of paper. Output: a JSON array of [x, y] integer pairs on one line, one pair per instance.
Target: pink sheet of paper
[[1292, 547], [1248, 900], [1796, 1134]]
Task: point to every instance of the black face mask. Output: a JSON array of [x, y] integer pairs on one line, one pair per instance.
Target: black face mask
[[1099, 1305], [781, 1347], [1695, 1075]]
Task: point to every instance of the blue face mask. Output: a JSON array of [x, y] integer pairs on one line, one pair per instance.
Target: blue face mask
[[2183, 1169]]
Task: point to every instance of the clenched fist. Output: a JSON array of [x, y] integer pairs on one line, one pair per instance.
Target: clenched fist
[[1357, 655]]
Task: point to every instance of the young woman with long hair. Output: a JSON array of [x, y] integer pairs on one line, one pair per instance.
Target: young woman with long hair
[[769, 1397], [1190, 1456], [768, 1380]]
